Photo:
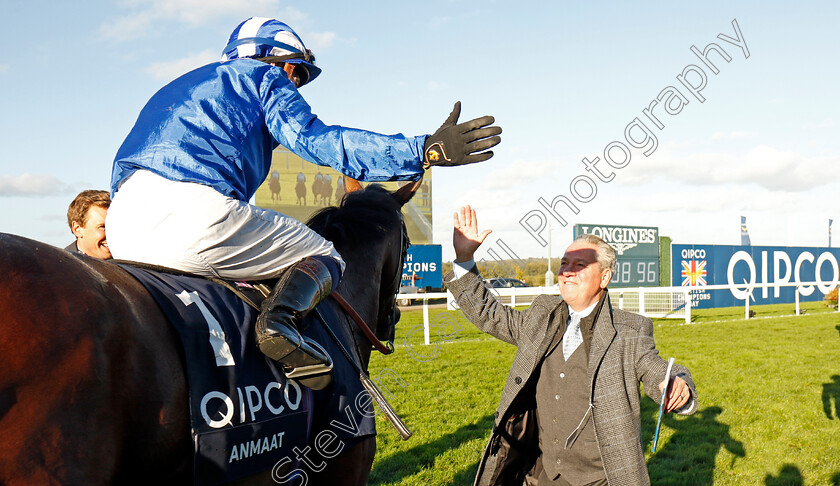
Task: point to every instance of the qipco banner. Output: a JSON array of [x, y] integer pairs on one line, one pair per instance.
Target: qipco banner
[[740, 267]]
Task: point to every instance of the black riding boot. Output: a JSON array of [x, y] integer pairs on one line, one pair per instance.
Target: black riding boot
[[299, 290]]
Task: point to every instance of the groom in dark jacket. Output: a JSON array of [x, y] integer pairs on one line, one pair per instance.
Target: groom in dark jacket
[[569, 413]]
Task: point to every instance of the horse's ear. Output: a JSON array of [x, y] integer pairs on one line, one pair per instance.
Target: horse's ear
[[351, 185], [406, 192]]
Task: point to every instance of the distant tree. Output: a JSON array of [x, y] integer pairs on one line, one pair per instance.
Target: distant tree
[[664, 261], [831, 298]]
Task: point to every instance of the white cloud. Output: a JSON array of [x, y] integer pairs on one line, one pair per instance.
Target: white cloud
[[736, 135], [496, 210], [317, 41], [168, 70], [519, 172], [31, 185], [812, 127], [196, 12], [439, 22], [489, 198], [145, 16], [127, 28], [290, 15], [704, 199], [436, 86], [765, 166], [4, 68]]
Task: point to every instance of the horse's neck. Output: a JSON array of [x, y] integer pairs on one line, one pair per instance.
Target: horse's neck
[[361, 291]]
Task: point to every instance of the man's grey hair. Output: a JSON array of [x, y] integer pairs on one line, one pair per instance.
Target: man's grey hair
[[606, 254]]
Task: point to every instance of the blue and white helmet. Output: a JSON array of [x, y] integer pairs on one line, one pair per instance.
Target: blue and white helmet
[[262, 37]]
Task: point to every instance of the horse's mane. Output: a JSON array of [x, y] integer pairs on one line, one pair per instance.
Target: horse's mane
[[361, 216]]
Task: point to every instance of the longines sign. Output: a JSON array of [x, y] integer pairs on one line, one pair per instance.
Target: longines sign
[[628, 241], [637, 248]]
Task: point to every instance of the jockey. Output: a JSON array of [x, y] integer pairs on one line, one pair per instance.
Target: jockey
[[182, 179]]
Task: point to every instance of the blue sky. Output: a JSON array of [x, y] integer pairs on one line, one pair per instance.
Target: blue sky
[[563, 79]]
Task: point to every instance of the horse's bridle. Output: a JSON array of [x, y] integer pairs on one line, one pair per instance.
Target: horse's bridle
[[393, 317]]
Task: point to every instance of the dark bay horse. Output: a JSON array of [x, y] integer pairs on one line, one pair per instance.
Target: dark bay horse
[[93, 383], [274, 187], [300, 192]]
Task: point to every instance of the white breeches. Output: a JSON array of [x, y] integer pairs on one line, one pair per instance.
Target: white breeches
[[193, 228]]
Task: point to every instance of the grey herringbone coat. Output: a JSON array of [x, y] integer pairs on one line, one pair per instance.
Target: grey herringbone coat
[[622, 354]]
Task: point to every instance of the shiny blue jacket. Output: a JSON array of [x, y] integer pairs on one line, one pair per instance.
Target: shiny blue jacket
[[218, 124]]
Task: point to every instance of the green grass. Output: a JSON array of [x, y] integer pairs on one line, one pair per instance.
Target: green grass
[[769, 390]]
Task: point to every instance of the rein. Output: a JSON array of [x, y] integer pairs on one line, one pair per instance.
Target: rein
[[360, 323], [377, 344]]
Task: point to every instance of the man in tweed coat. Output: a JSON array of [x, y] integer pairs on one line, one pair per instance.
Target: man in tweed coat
[[569, 413]]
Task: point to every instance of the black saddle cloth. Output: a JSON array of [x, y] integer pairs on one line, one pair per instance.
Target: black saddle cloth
[[245, 415]]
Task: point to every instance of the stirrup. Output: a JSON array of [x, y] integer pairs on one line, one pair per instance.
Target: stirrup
[[316, 376], [306, 361]]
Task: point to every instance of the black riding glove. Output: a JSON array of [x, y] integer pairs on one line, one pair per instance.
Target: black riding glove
[[455, 144]]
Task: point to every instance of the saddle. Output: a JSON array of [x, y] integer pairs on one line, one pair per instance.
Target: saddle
[[245, 415], [251, 292]]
